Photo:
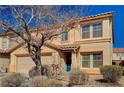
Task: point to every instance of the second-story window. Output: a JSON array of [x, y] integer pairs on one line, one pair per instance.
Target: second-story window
[[4, 42], [97, 30], [86, 31], [65, 36]]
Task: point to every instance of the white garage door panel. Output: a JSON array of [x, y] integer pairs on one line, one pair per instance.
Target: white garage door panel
[[47, 60], [24, 64]]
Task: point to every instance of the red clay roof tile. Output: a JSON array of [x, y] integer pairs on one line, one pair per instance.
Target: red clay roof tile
[[117, 50]]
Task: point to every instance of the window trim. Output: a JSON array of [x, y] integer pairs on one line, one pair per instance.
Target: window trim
[[86, 60], [97, 30], [91, 61], [64, 36], [91, 29], [4, 42], [88, 31], [98, 60]]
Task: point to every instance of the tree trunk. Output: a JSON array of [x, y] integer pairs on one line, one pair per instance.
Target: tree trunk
[[35, 53], [38, 62]]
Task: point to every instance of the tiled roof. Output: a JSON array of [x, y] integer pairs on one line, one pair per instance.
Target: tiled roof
[[63, 47], [58, 47], [97, 15], [69, 47], [9, 50], [117, 50], [4, 51], [52, 45]]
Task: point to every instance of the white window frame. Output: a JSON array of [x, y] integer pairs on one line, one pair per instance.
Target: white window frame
[[65, 36], [91, 63], [4, 42], [86, 31], [98, 29]]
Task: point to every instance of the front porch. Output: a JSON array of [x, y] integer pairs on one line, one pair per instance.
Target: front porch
[[72, 60]]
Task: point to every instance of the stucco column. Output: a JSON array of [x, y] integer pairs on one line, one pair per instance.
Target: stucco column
[[55, 57], [12, 66], [74, 60], [91, 31], [91, 61]]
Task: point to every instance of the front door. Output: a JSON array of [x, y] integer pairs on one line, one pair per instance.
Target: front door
[[68, 62]]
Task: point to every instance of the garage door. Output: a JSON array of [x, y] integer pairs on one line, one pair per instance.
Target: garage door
[[24, 64]]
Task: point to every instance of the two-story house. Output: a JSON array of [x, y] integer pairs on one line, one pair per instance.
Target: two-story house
[[118, 56], [87, 46], [4, 59]]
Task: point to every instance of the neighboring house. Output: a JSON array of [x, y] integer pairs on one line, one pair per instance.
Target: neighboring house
[[87, 46], [118, 56]]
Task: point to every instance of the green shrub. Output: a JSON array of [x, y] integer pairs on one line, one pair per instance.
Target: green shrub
[[33, 72], [123, 70], [111, 73], [45, 71], [78, 77], [12, 80]]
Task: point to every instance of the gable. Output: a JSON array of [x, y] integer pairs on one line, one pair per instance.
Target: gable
[[22, 50]]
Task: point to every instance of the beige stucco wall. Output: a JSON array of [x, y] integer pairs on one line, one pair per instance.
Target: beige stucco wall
[[1, 42], [76, 33], [56, 58], [4, 63], [103, 44], [91, 44], [96, 47], [120, 57], [12, 41]]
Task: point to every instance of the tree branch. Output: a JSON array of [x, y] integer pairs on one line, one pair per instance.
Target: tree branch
[[9, 28], [32, 16], [25, 22]]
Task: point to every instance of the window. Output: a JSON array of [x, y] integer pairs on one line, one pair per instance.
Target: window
[[65, 36], [120, 54], [86, 31], [97, 30], [90, 60], [86, 60], [97, 60], [4, 42]]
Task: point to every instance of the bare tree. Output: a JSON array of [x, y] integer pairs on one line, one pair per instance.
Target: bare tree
[[47, 21]]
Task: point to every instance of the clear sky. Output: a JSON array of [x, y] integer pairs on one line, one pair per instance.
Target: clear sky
[[97, 9], [118, 20]]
